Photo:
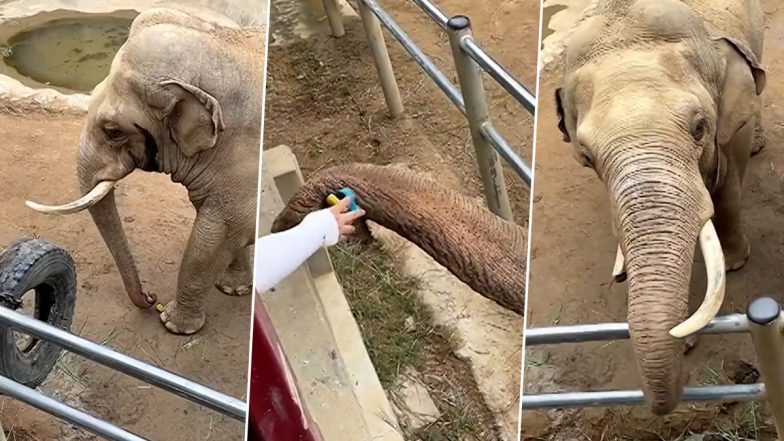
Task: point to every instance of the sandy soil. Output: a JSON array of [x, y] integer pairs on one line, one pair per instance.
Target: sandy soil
[[324, 101], [323, 97], [37, 161], [572, 257]]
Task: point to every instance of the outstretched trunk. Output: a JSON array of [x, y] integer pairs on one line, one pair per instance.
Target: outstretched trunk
[[107, 219], [484, 251], [660, 204]]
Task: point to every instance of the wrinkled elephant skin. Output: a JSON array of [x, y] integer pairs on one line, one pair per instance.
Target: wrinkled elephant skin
[[484, 251], [661, 98], [183, 97]]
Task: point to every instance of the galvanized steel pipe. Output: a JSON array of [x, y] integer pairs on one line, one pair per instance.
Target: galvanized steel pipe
[[164, 379], [65, 412]]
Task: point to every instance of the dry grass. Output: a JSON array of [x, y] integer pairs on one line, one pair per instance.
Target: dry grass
[[398, 332]]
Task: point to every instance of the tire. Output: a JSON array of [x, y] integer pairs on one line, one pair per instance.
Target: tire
[[35, 264]]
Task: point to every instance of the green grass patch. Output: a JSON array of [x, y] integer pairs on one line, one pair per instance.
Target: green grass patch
[[398, 331], [382, 301]]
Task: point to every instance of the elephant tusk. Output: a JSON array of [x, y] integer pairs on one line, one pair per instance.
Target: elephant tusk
[[96, 194], [714, 295], [619, 269]]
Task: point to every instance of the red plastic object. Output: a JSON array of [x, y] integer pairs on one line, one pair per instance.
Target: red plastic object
[[275, 411]]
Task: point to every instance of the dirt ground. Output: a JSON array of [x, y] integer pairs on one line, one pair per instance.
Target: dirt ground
[[324, 101], [37, 162], [572, 256]]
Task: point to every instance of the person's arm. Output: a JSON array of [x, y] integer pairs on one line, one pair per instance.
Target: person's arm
[[277, 255]]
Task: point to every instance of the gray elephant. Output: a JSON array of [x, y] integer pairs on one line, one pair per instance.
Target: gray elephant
[[183, 97], [661, 99], [484, 251]]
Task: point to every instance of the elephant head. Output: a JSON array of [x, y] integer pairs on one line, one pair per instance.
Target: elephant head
[[160, 110], [484, 251], [648, 98]]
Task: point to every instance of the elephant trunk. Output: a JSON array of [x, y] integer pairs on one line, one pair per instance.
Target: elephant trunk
[[660, 205], [482, 250], [106, 218]]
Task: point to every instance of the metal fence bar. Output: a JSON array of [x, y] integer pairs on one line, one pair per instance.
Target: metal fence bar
[[470, 77], [765, 319], [381, 57], [334, 17], [503, 148], [728, 324], [733, 392], [500, 74], [427, 64], [492, 135], [434, 12], [164, 379], [484, 59], [60, 410]]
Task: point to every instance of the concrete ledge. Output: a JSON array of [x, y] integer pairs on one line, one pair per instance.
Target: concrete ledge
[[318, 331]]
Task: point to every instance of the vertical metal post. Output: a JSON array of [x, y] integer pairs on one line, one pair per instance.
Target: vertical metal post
[[469, 76], [381, 57], [334, 17], [765, 323]]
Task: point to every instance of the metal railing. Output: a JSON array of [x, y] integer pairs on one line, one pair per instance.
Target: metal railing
[[470, 60], [763, 319], [161, 378]]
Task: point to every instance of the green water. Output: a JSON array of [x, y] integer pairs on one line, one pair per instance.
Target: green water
[[74, 54]]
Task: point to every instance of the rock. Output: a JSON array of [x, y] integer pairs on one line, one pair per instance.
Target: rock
[[412, 402], [742, 372], [410, 325], [535, 425]]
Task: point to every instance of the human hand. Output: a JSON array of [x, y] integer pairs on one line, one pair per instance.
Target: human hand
[[344, 218]]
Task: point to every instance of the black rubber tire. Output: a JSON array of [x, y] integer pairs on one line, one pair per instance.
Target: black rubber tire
[[35, 264]]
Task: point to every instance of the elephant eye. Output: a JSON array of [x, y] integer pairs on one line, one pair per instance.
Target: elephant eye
[[585, 158], [699, 128], [112, 132]]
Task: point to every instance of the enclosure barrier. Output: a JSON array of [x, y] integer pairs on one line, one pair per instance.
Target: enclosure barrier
[[161, 378], [763, 319], [470, 60]]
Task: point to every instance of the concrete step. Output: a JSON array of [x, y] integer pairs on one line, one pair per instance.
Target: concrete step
[[318, 332]]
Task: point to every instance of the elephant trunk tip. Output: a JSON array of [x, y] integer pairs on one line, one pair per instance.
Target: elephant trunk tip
[[145, 300], [663, 407]]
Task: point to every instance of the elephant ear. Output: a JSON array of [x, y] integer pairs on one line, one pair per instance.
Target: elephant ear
[[561, 115], [744, 79], [193, 117]]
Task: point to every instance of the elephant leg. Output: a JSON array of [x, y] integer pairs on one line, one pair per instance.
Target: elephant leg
[[728, 226], [238, 278], [759, 136], [208, 254], [728, 202]]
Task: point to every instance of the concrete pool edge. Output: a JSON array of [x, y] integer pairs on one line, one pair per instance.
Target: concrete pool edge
[[344, 374], [18, 15]]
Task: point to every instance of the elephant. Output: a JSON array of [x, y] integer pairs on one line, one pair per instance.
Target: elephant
[[484, 251], [183, 97], [661, 98]]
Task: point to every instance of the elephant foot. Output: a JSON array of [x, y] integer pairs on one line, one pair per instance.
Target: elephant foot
[[235, 283], [737, 254], [759, 140], [178, 322]]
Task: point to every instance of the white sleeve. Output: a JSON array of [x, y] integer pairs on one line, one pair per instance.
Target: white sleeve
[[277, 255]]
